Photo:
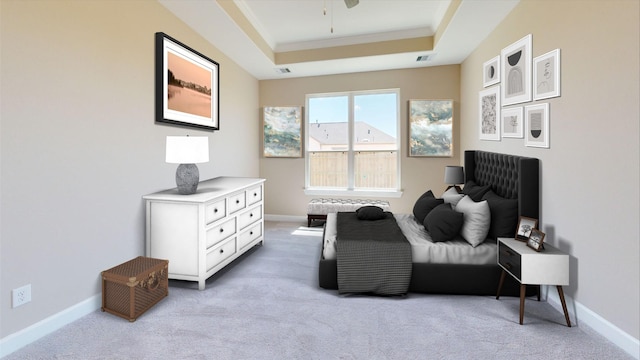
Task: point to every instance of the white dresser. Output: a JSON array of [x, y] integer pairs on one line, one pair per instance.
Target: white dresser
[[202, 233]]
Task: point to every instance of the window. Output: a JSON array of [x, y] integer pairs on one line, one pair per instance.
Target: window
[[351, 141]]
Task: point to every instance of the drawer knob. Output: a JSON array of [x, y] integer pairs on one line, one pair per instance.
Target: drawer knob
[[237, 201], [215, 210], [221, 251], [251, 215], [221, 230], [250, 232], [255, 194]]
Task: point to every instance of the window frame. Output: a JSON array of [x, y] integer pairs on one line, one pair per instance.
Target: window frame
[[351, 190]]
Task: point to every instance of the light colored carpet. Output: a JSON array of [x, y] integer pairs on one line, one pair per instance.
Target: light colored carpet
[[268, 305]]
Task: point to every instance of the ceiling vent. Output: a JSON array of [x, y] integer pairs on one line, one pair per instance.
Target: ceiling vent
[[425, 57], [283, 70]]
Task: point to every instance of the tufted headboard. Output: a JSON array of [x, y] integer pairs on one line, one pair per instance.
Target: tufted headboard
[[510, 176]]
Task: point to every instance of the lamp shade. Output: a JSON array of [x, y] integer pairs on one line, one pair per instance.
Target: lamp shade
[[187, 149], [454, 175]]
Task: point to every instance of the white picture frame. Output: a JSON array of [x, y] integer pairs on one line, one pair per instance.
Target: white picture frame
[[536, 119], [546, 75], [489, 114], [512, 122], [491, 72], [515, 61]]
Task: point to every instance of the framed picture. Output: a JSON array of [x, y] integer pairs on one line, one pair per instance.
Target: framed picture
[[431, 128], [187, 85], [512, 122], [489, 113], [282, 131], [536, 119], [546, 75], [491, 72], [535, 240], [516, 70], [525, 225]]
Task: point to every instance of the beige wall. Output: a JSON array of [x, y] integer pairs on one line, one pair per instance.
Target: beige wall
[[79, 146], [286, 176], [590, 179]]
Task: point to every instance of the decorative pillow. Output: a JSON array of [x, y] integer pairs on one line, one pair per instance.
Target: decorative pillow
[[477, 219], [474, 190], [443, 223], [370, 213], [424, 205], [452, 197], [504, 215]]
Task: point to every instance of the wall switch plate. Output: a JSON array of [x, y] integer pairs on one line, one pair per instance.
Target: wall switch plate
[[21, 295]]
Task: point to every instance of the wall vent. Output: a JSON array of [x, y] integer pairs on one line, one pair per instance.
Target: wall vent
[[425, 57], [283, 70]]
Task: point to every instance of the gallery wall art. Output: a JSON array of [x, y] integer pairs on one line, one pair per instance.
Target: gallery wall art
[[489, 110], [516, 72]]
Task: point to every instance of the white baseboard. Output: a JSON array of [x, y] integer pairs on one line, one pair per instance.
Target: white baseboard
[[285, 218], [45, 327], [577, 311]]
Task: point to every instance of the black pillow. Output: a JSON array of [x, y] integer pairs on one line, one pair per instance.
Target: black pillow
[[425, 203], [474, 190], [504, 215], [370, 213], [443, 223]]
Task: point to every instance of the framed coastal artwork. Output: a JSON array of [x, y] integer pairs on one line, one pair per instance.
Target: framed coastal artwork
[[187, 85], [516, 72], [431, 128], [546, 75], [489, 113], [282, 131], [536, 119]]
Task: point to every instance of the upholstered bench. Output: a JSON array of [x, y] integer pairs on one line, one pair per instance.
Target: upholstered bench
[[319, 208]]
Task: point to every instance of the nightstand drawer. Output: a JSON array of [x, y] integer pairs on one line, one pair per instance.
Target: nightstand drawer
[[510, 260]]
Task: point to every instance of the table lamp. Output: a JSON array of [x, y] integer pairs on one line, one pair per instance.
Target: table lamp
[[454, 176], [187, 151]]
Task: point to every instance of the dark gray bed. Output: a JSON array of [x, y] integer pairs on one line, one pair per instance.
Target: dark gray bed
[[509, 176]]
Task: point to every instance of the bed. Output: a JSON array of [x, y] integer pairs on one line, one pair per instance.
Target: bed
[[509, 178]]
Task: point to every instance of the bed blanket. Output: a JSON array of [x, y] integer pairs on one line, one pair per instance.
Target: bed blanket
[[372, 256]]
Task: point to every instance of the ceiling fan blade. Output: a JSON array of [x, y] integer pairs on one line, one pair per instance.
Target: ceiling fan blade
[[351, 3]]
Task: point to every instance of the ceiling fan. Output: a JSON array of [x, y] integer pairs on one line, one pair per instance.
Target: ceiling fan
[[351, 3]]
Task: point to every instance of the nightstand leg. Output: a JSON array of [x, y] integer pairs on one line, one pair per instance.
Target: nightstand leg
[[523, 291], [564, 305], [504, 273]]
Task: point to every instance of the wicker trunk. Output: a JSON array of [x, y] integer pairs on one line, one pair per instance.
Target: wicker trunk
[[133, 287]]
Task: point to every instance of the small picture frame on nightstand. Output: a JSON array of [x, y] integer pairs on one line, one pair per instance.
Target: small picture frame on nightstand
[[525, 225], [535, 240]]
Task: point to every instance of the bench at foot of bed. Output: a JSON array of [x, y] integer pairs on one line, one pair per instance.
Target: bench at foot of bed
[[319, 208]]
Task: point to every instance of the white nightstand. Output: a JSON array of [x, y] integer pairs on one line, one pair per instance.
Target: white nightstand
[[547, 267]]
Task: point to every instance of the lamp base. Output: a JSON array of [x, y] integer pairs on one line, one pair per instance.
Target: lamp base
[[187, 178]]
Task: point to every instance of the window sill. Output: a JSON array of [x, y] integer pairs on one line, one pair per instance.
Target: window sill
[[359, 193]]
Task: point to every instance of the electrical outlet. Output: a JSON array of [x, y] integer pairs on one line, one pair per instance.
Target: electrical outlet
[[21, 295]]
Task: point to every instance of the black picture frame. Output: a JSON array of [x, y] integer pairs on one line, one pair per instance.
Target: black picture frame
[[187, 85], [525, 226], [536, 238]]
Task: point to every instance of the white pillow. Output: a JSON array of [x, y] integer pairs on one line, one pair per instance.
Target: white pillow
[[452, 197], [476, 220]]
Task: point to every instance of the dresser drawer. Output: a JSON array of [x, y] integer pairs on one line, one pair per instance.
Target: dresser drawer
[[215, 211], [249, 217], [254, 195], [220, 232], [220, 254], [510, 260], [237, 202], [254, 232]]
